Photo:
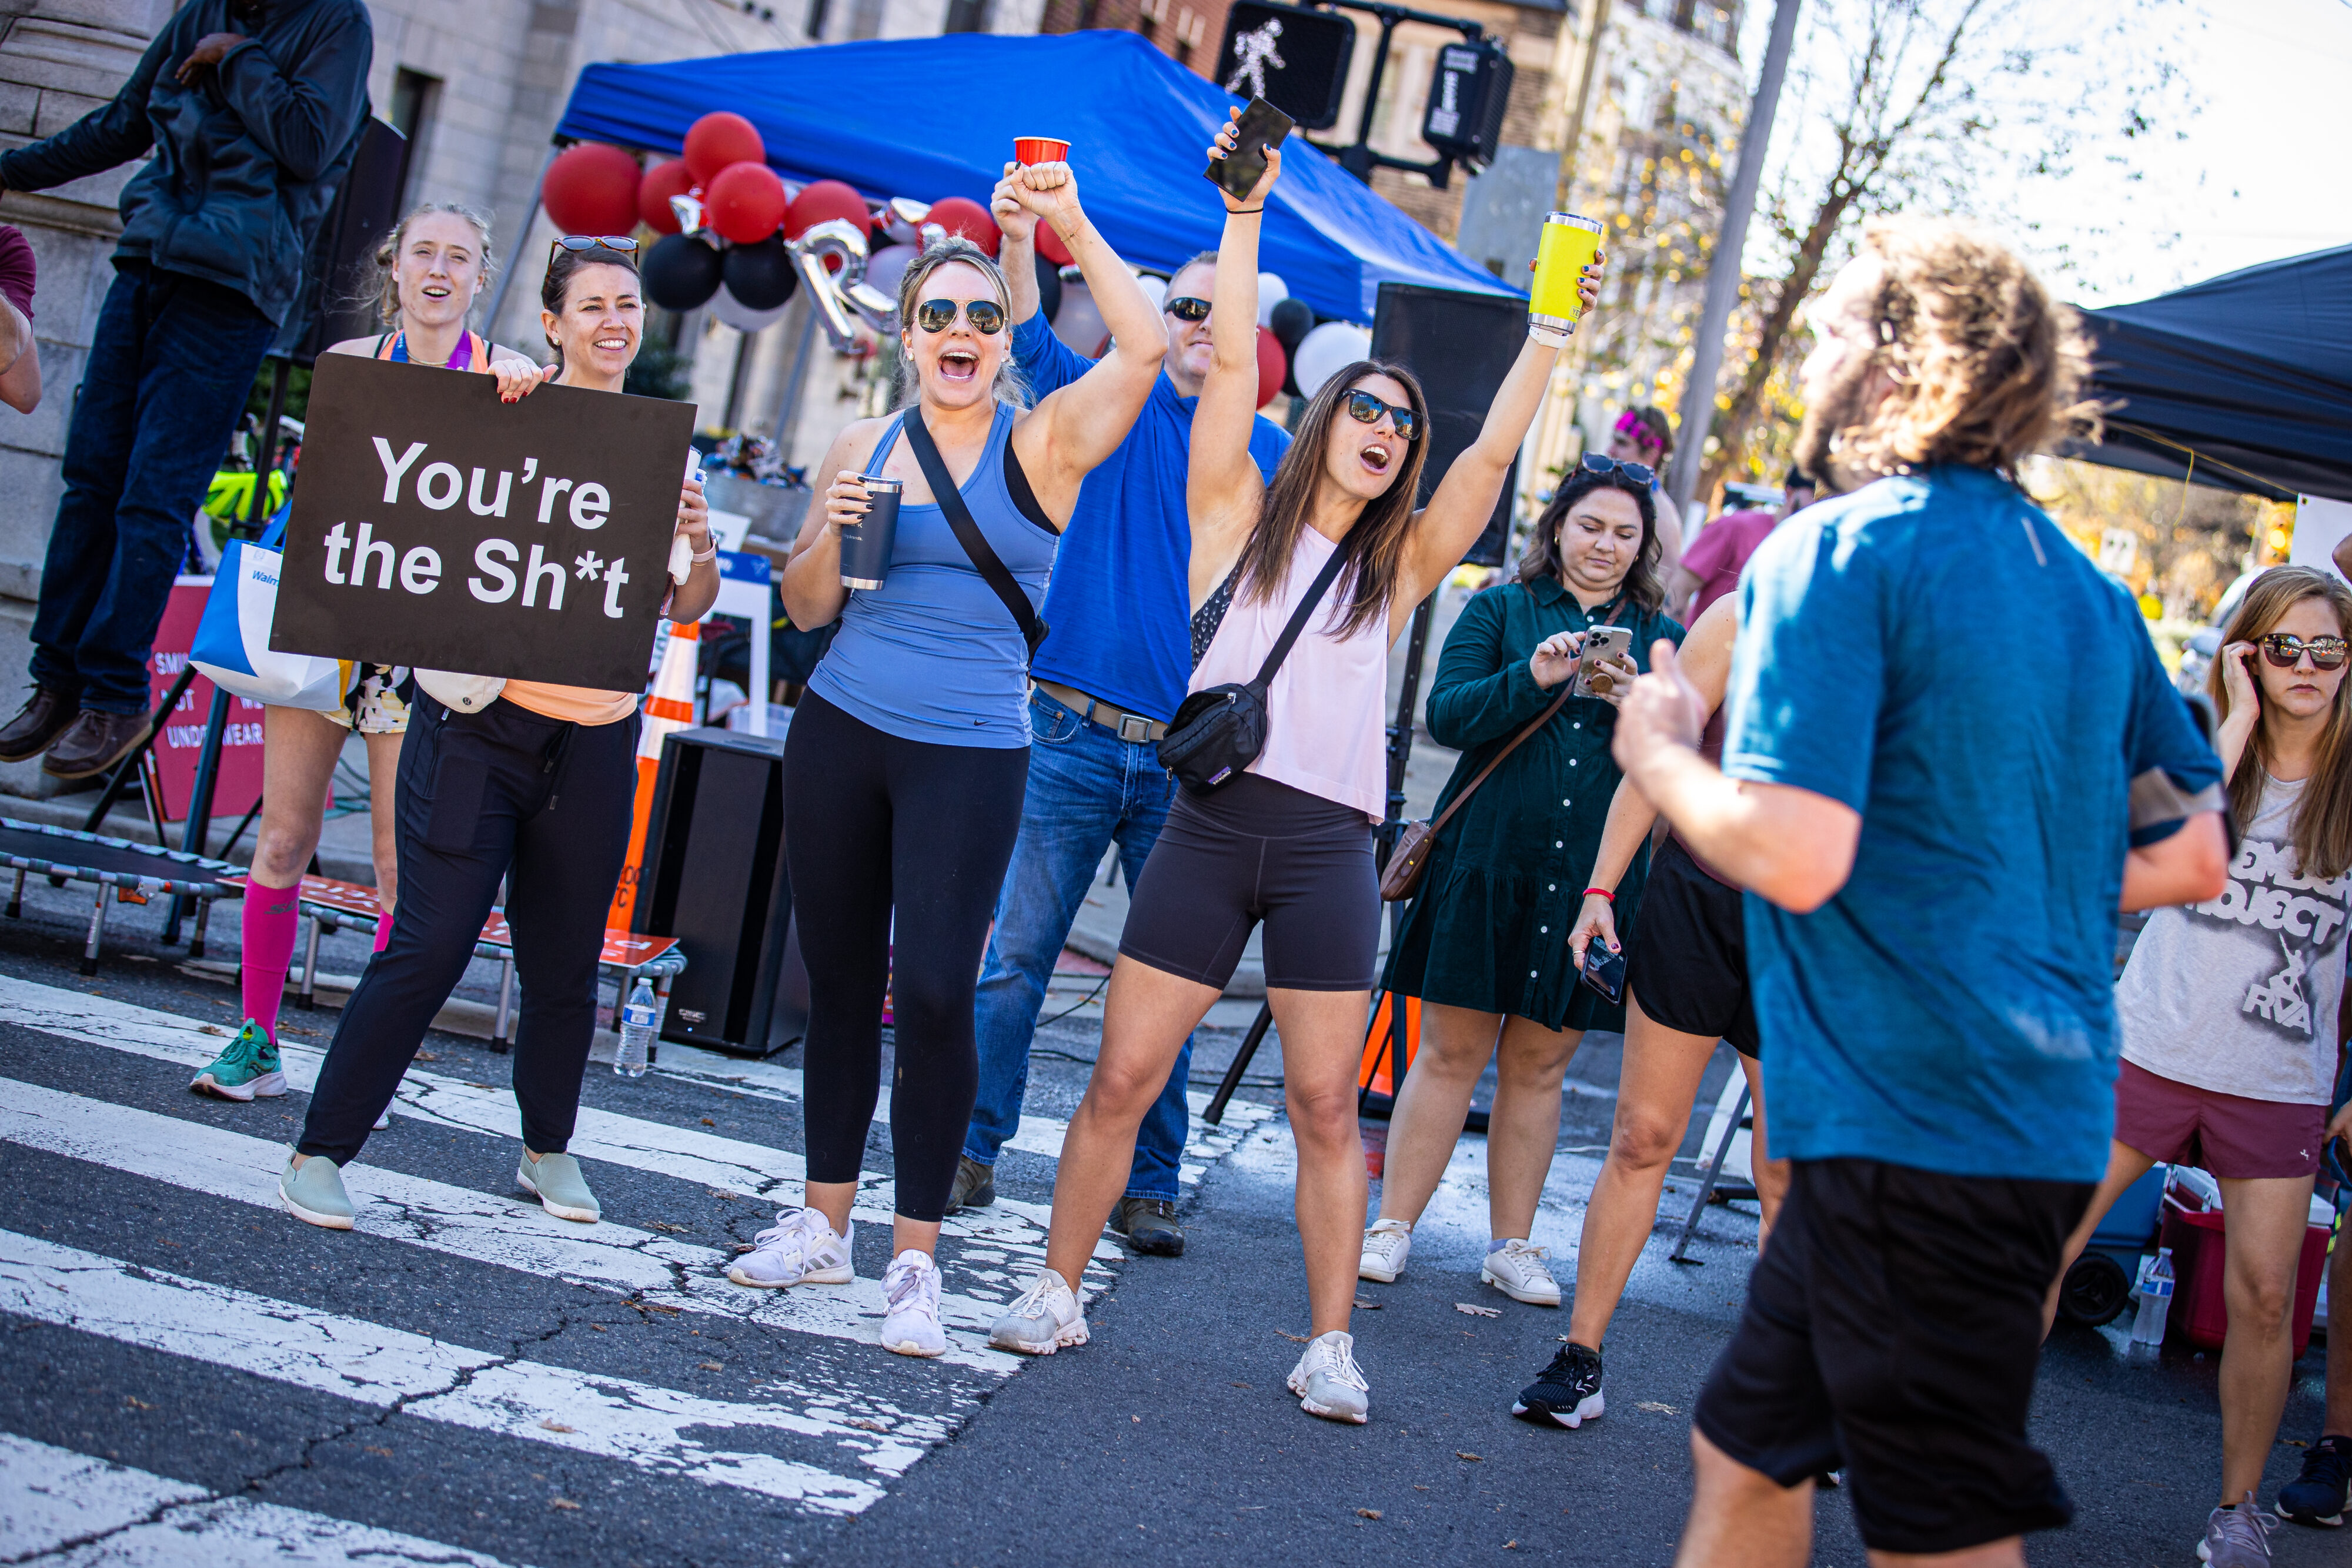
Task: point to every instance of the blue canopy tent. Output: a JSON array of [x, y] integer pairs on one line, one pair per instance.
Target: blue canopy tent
[[2243, 381], [929, 118]]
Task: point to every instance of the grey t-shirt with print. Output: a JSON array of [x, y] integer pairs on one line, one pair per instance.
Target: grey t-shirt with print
[[2239, 994]]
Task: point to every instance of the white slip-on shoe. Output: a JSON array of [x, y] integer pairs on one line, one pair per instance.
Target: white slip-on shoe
[[1042, 1319], [800, 1249], [314, 1194], [911, 1286], [1517, 1270], [1387, 1244], [1327, 1380]]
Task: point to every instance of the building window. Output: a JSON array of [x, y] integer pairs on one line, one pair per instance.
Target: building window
[[967, 17], [815, 26], [414, 97]]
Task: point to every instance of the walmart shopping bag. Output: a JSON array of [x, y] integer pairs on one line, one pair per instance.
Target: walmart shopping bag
[[232, 646]]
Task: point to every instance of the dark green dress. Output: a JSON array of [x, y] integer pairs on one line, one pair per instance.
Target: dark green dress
[[1506, 877]]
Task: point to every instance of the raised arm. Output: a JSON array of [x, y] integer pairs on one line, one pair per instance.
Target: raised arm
[[1048, 364], [1075, 428], [1224, 485]]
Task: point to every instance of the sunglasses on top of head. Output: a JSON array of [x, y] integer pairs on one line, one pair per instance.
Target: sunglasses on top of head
[[622, 243], [1367, 409], [1185, 308], [1601, 463], [986, 315], [2284, 649]]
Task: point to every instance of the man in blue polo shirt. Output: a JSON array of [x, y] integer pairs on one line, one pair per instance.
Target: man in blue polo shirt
[[1951, 758], [1108, 678]]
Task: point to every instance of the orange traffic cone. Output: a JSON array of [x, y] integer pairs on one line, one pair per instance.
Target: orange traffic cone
[[669, 707], [1379, 1072]]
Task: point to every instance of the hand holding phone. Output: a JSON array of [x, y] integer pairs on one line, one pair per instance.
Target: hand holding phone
[[1258, 127], [1599, 668], [1604, 971]]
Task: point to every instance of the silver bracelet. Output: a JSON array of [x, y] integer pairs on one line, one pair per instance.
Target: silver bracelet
[[711, 554]]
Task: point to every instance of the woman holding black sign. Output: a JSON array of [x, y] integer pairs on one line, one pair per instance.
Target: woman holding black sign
[[1326, 564], [430, 270], [517, 781], [908, 754]]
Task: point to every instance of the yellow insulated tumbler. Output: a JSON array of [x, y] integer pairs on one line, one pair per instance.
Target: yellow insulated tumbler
[[1567, 246]]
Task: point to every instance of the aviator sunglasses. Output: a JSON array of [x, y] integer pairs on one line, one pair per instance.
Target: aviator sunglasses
[[1601, 463], [2283, 649], [1367, 409], [590, 242], [986, 315]]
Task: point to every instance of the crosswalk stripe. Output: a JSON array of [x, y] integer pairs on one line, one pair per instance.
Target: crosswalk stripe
[[610, 1417], [505, 1232], [122, 1517]]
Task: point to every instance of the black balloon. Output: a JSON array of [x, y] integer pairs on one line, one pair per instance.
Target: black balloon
[[1292, 320], [1049, 291], [681, 272], [760, 276]]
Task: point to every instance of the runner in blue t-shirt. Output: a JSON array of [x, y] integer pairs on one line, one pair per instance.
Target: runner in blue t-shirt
[[1108, 678], [1952, 757]]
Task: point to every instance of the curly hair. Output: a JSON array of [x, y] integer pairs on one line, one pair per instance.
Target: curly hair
[[1986, 366], [1541, 558], [2322, 818]]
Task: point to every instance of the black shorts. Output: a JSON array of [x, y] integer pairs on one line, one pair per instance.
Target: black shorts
[[1254, 851], [1688, 960], [1893, 1328]]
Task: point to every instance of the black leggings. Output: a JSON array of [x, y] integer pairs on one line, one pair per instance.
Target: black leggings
[[501, 794], [869, 816]]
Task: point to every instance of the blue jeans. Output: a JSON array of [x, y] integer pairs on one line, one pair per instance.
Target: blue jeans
[[170, 367], [1088, 789]]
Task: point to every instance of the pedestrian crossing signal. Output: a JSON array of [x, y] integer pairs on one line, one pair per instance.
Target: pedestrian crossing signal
[[1467, 99], [1295, 58]]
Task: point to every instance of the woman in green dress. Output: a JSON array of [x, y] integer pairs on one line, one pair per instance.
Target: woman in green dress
[[1484, 943]]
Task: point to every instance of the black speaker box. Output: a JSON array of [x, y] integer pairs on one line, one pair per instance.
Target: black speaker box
[[339, 291], [714, 877], [1459, 346]]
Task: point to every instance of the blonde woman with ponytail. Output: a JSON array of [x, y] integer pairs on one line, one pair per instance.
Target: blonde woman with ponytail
[[430, 270]]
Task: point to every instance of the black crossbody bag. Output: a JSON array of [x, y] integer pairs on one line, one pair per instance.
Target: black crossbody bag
[[967, 532], [1220, 731]]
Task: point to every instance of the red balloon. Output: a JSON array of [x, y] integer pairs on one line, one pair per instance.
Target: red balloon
[[745, 203], [962, 215], [1050, 247], [826, 200], [1273, 366], [719, 139], [592, 189], [662, 182]]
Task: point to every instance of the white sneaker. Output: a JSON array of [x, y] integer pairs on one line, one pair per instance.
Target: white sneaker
[[1327, 1380], [1517, 1270], [1387, 1245], [912, 1285], [800, 1249], [1042, 1320]]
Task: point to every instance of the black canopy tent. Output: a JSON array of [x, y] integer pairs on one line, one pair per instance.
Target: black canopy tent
[[2243, 381]]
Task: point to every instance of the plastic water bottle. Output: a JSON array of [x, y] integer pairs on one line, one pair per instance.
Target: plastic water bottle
[[2154, 1300], [637, 1021]]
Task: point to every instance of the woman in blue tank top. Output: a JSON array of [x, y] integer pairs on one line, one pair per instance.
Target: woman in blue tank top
[[906, 762]]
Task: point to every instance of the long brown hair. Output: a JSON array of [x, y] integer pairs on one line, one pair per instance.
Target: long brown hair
[[1541, 558], [1377, 541], [2322, 818]]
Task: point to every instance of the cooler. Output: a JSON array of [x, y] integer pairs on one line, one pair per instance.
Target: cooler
[[2199, 1312]]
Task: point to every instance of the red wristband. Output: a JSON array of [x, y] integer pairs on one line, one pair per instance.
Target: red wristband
[[1602, 892]]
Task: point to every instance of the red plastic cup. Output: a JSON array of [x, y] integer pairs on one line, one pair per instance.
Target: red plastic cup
[[1039, 149]]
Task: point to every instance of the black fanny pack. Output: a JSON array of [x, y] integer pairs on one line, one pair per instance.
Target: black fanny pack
[[1220, 731]]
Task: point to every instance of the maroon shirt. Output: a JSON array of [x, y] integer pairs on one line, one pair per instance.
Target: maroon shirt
[[1721, 550], [17, 270]]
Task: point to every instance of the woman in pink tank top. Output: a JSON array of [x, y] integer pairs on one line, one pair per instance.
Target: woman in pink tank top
[[1288, 840]]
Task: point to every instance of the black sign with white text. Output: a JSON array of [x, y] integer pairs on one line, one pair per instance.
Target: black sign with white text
[[437, 528]]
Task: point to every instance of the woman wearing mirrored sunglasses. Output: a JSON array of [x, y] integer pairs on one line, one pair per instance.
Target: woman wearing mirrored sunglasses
[[1290, 839], [907, 759], [2229, 1010]]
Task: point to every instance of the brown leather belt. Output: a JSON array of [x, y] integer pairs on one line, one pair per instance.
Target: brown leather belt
[[1132, 727]]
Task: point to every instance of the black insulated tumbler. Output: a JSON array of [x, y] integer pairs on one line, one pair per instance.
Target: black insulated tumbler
[[866, 544]]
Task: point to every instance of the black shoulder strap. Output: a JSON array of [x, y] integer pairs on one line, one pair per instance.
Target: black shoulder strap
[[1298, 617], [967, 532]]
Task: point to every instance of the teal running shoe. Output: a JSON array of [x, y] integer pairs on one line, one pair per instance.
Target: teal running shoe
[[247, 1066]]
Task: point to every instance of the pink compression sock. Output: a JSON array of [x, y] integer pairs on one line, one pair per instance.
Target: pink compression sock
[[267, 930]]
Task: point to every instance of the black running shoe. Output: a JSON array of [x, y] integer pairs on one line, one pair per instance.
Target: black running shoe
[[1568, 1391], [2318, 1495]]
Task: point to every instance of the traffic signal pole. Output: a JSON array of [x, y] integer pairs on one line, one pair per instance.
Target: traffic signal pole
[[1359, 159]]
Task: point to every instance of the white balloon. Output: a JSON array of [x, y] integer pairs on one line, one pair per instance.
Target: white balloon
[[887, 267], [1325, 350], [741, 317], [1271, 292], [1154, 288], [1079, 321]]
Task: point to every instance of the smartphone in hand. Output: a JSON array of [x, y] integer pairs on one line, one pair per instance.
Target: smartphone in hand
[[1261, 126], [1603, 644], [1604, 971]]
